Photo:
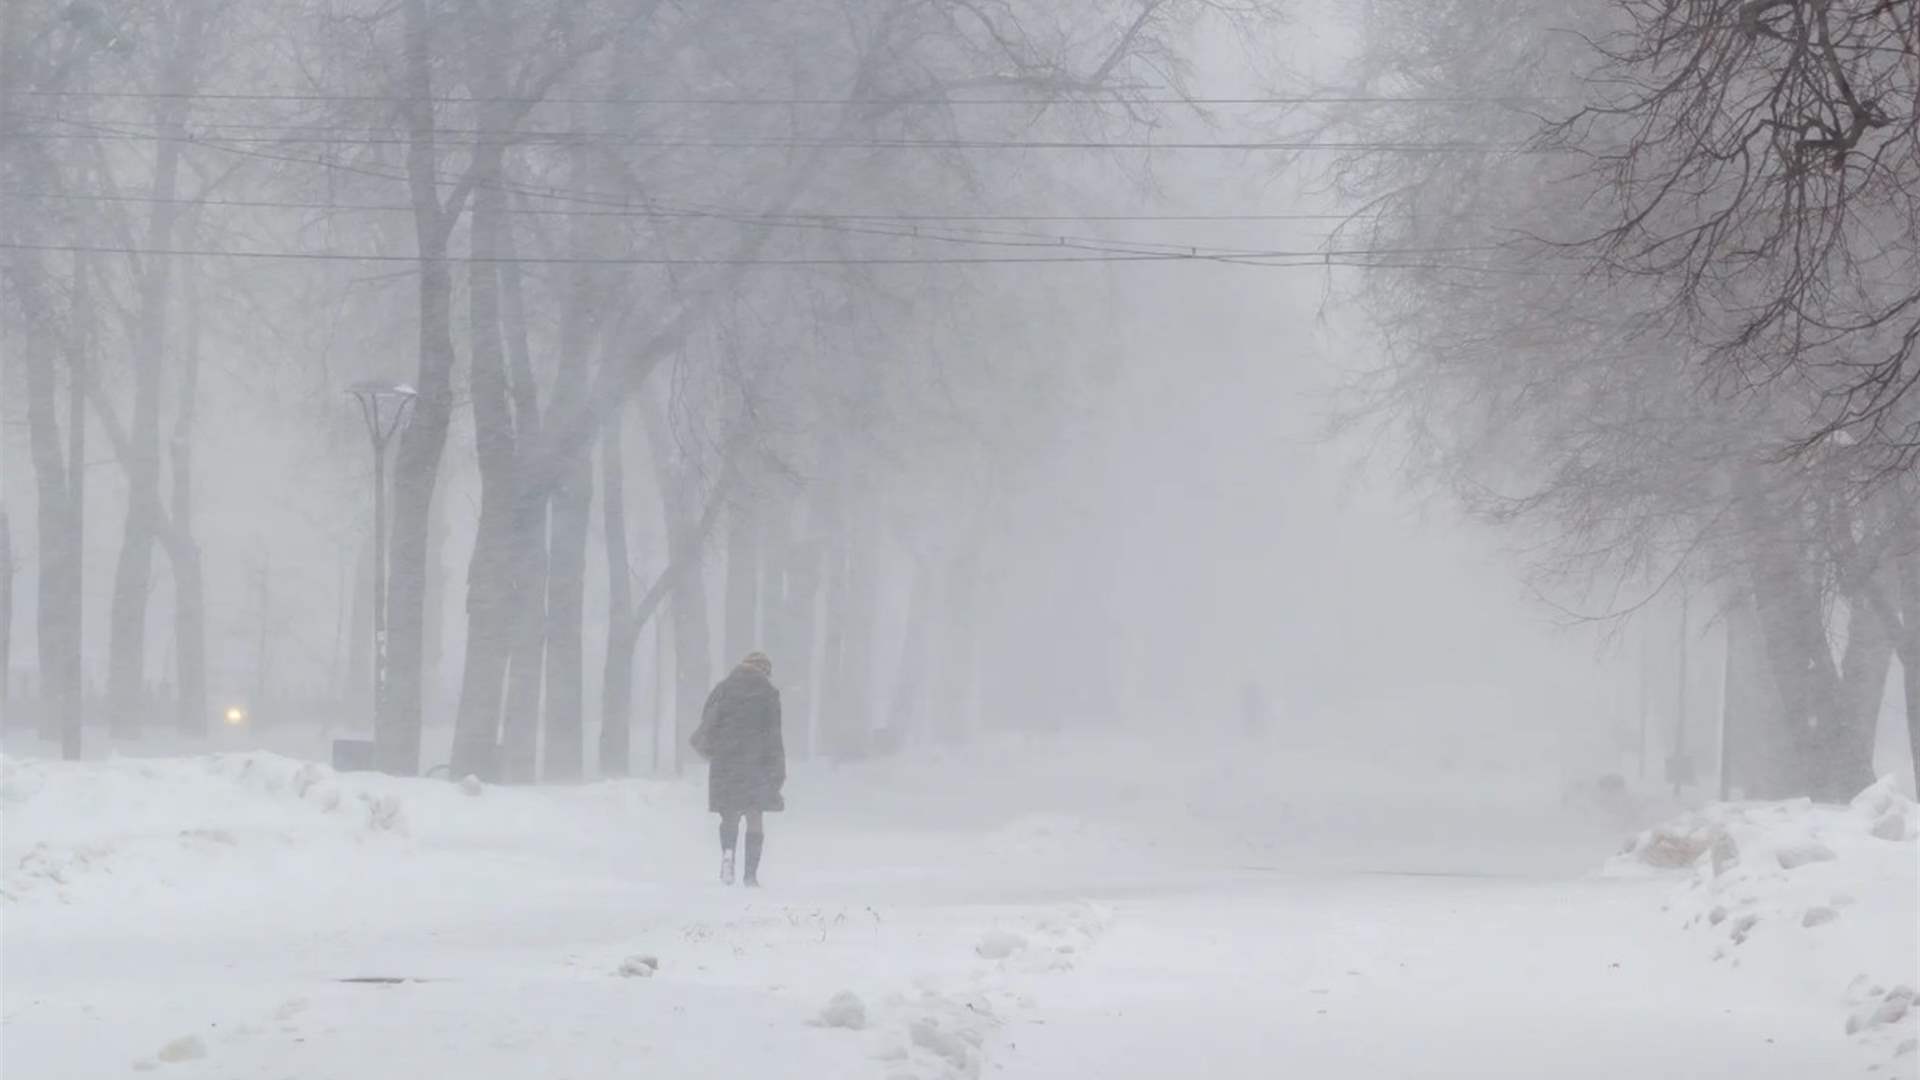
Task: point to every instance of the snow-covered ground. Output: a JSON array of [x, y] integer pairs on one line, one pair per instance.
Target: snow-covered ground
[[1819, 899], [1022, 908]]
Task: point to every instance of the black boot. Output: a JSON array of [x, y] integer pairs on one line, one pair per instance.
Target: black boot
[[754, 842]]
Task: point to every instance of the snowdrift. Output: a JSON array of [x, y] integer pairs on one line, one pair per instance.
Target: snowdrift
[[247, 909], [214, 832], [1823, 897]]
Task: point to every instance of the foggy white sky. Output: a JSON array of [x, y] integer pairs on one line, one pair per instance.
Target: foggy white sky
[[1191, 530]]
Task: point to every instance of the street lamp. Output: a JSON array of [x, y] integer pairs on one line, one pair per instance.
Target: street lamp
[[384, 406]]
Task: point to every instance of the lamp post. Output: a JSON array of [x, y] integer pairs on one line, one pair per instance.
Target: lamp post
[[383, 406]]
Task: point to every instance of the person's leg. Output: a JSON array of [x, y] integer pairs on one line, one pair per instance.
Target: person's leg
[[756, 841], [729, 832]]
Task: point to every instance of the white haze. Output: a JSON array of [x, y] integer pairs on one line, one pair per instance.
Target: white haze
[[1101, 871], [1187, 526]]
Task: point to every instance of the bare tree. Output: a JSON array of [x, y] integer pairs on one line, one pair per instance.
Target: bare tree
[[616, 683], [1762, 157], [40, 49], [7, 571], [1556, 281], [398, 711]]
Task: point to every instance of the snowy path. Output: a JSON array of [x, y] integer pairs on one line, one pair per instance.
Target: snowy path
[[206, 918], [1415, 976]]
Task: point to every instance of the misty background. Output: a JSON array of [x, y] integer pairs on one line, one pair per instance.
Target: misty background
[[1095, 493]]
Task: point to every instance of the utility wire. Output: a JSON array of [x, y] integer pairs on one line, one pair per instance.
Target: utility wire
[[821, 215], [710, 212], [867, 225], [776, 102], [653, 143], [297, 131], [1277, 258], [657, 210]]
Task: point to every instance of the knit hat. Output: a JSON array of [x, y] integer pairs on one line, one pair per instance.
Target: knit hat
[[758, 661]]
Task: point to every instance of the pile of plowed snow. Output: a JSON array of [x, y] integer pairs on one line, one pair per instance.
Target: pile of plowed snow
[[132, 829], [1822, 896]]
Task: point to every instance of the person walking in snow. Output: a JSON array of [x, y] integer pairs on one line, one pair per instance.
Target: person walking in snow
[[739, 734]]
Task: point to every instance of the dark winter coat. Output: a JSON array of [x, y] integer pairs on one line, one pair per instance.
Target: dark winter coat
[[739, 734]]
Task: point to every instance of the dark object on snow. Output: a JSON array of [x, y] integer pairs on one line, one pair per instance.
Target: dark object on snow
[[353, 755], [740, 734]]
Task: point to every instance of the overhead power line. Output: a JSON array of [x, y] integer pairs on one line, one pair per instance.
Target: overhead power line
[[534, 138], [640, 210], [1277, 258], [898, 230], [625, 205], [526, 189], [740, 101], [821, 215], [294, 131]]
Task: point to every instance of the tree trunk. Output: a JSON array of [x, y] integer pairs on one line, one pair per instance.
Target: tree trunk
[[1791, 665], [571, 510], [848, 677], [1793, 631], [566, 612], [416, 473], [865, 570], [57, 603], [190, 640], [833, 647], [904, 718], [662, 661], [776, 547], [527, 544], [1757, 737], [490, 592], [433, 628], [616, 683], [692, 655], [692, 652], [8, 58], [616, 697], [959, 652], [1910, 684], [6, 604], [1907, 574], [263, 641], [189, 590], [359, 684], [59, 523], [1847, 733], [743, 579], [795, 639], [73, 692], [397, 729], [1822, 706], [133, 574]]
